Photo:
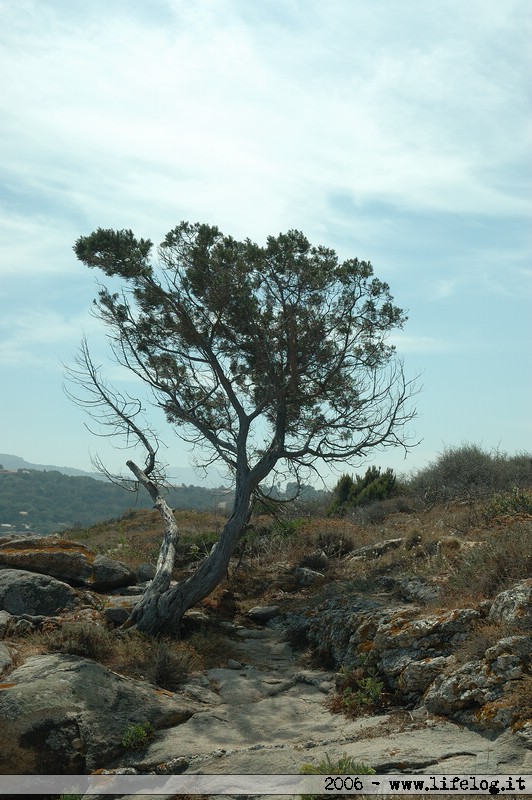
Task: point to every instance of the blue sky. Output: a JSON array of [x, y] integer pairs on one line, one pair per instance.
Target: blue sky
[[395, 132]]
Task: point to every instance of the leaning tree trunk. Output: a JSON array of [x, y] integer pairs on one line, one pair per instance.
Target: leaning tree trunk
[[161, 606]]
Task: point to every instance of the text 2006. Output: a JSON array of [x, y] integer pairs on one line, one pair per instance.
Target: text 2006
[[340, 783]]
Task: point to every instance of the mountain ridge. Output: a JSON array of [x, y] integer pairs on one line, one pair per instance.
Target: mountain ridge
[[176, 475]]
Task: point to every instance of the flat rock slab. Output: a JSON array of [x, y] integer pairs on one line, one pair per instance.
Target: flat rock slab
[[272, 721]]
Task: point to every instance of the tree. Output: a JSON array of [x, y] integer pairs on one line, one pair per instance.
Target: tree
[[270, 358], [372, 487]]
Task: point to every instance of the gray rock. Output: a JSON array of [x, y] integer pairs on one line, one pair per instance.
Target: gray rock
[[306, 577], [263, 614], [146, 572], [5, 658], [110, 574], [118, 608], [67, 561], [23, 592], [413, 590], [62, 714], [375, 550], [403, 637], [417, 676], [468, 686], [514, 605]]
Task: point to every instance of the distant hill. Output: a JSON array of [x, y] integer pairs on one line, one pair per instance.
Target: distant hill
[[46, 500], [9, 461], [176, 475]]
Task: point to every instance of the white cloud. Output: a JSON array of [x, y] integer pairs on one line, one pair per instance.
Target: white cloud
[[36, 338], [209, 117]]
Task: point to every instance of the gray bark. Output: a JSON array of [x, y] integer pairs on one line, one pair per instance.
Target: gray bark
[[162, 606]]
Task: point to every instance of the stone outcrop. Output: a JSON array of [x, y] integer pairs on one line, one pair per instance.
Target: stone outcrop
[[270, 717], [62, 714], [514, 606], [23, 592], [413, 652], [375, 550], [477, 692], [67, 561]]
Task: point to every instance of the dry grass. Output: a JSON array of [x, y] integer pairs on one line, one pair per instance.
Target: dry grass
[[164, 662], [503, 558], [521, 700], [481, 637]]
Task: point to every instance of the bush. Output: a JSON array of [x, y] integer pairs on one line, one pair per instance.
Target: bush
[[469, 472], [514, 503], [174, 663], [137, 737], [80, 639], [372, 487], [357, 692]]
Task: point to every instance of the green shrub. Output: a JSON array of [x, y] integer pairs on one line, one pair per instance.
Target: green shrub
[[518, 501], [351, 493], [137, 737], [469, 472], [358, 691]]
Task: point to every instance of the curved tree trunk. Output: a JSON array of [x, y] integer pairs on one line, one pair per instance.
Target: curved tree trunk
[[161, 606]]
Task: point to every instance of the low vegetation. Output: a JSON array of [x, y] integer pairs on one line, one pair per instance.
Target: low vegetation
[[137, 737], [471, 538]]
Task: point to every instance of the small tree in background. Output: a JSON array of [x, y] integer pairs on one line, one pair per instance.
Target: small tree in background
[[373, 486], [270, 358]]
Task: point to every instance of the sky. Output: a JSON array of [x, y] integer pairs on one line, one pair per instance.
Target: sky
[[397, 133]]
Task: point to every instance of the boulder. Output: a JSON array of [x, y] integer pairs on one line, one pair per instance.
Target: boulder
[[411, 589], [338, 626], [306, 577], [67, 561], [23, 592], [402, 638], [417, 676], [514, 606], [146, 572], [362, 632], [118, 608], [475, 692], [62, 714], [375, 550], [107, 573], [263, 614]]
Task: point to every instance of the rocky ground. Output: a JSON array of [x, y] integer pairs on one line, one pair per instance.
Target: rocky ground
[[449, 698]]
